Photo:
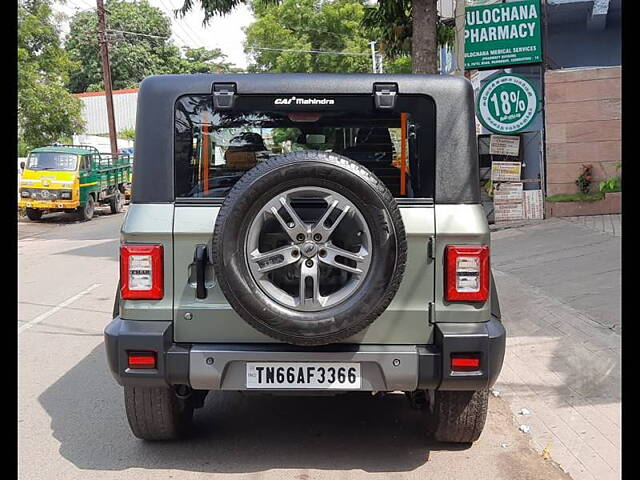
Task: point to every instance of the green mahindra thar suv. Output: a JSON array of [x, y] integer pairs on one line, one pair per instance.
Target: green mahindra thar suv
[[305, 233]]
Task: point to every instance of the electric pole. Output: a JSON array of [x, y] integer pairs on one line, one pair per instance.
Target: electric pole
[[373, 56], [106, 76], [459, 26]]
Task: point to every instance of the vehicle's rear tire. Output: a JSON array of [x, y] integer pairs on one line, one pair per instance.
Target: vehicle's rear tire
[[156, 413], [34, 214], [116, 202], [378, 214], [457, 417], [86, 211]]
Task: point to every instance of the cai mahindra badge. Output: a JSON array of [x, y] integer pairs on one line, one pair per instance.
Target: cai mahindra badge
[[507, 104]]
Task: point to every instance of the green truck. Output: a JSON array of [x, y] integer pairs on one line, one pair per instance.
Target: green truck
[[73, 178]]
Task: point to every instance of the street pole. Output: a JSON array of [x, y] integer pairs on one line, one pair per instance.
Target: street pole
[[106, 76], [373, 56], [459, 26]]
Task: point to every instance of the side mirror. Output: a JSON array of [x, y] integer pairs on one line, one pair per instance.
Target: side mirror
[[22, 165]]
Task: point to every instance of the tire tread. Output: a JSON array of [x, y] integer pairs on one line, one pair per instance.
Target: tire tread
[[459, 416], [381, 190], [155, 413]]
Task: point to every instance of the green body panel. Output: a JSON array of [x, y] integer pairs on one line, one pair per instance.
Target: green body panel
[[459, 225], [213, 320], [105, 175], [151, 223], [179, 228]]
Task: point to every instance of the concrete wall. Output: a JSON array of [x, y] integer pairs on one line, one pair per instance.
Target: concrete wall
[[583, 125]]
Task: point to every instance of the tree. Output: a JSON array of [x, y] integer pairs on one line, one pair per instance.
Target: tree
[[211, 8], [139, 46], [288, 35], [46, 109], [202, 60], [410, 26]]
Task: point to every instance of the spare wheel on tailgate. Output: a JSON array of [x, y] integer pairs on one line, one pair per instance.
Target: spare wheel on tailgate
[[309, 247]]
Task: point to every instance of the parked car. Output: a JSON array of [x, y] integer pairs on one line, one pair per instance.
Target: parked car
[[360, 265]]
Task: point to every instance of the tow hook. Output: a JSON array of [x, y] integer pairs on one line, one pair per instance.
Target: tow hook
[[183, 392]]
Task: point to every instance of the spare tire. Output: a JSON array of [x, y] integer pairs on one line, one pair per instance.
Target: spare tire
[[309, 248]]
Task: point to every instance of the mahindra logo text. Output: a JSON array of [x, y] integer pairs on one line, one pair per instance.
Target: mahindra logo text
[[303, 101]]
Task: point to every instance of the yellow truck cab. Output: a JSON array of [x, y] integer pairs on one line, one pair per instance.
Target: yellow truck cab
[[73, 178]]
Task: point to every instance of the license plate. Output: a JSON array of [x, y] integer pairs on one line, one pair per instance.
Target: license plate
[[322, 376]]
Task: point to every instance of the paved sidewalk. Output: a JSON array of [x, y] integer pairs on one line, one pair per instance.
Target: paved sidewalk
[[563, 356], [611, 224]]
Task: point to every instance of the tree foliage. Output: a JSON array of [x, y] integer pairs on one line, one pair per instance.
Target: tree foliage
[[211, 8], [290, 36], [295, 29], [139, 46], [202, 60], [46, 109], [393, 22]]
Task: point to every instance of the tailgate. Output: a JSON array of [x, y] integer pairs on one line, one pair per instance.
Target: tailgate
[[212, 320]]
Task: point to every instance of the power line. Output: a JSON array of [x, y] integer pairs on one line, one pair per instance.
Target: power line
[[137, 33], [194, 39], [309, 51]]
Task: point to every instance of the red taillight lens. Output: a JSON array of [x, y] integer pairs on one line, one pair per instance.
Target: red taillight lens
[[142, 359], [141, 273], [467, 273], [465, 362]]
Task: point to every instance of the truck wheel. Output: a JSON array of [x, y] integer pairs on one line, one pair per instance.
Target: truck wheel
[[34, 214], [86, 212], [457, 417], [309, 248], [156, 413], [116, 202]]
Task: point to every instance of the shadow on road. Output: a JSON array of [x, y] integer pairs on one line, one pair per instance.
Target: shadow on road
[[106, 249], [237, 433], [67, 226]]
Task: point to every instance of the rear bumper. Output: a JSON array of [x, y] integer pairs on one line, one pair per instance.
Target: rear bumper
[[384, 367]]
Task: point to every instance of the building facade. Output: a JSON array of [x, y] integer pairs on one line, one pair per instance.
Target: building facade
[[94, 110], [578, 81]]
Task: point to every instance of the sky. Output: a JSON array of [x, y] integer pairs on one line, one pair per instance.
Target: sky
[[224, 33]]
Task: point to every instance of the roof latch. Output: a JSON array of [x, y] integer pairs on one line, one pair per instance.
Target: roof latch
[[224, 95], [385, 95]]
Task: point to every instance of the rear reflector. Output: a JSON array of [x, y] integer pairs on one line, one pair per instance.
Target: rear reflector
[[142, 359], [467, 273], [465, 362], [141, 273]]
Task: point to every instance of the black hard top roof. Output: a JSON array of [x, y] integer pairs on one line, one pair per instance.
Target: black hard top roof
[[456, 150]]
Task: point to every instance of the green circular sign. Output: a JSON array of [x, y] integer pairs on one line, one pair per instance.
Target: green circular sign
[[507, 104]]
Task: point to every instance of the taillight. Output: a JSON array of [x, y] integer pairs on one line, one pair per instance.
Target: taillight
[[145, 360], [141, 274], [465, 362], [467, 273]]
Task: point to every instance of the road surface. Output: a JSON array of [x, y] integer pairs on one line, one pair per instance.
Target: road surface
[[72, 425]]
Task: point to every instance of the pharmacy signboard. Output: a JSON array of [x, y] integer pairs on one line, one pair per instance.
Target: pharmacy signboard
[[507, 104], [502, 34]]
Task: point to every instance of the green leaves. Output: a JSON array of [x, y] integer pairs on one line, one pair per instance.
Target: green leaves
[[139, 46], [46, 109], [308, 36]]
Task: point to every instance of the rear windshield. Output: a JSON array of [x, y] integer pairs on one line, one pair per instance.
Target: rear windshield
[[213, 149], [52, 161]]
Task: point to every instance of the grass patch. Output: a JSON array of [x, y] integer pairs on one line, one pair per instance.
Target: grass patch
[[576, 197]]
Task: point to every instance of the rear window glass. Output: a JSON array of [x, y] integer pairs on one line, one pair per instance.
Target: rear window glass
[[213, 149]]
